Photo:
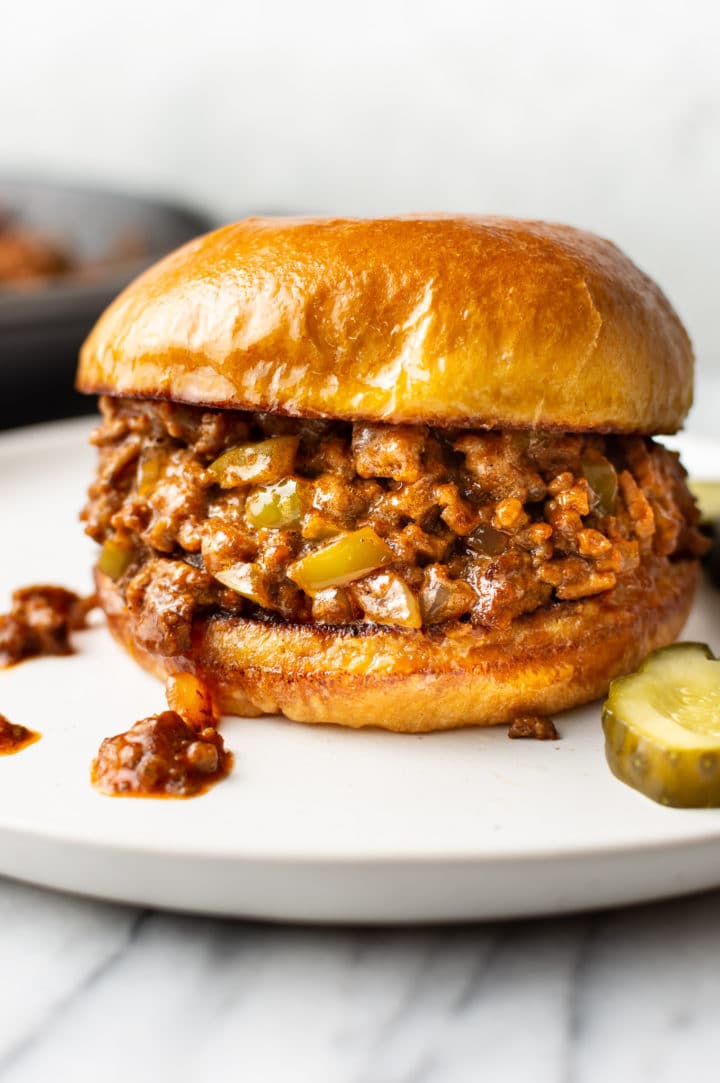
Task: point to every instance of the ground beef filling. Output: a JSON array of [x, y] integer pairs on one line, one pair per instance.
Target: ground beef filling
[[40, 621], [205, 511], [161, 756]]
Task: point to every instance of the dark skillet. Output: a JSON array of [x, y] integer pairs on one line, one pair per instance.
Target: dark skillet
[[109, 236]]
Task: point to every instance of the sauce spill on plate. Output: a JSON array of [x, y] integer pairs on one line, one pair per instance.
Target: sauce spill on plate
[[161, 756], [14, 737], [40, 621]]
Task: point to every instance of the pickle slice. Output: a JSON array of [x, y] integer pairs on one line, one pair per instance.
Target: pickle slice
[[662, 727], [707, 494]]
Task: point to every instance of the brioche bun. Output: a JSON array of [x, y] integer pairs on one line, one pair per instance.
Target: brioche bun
[[477, 322], [415, 682]]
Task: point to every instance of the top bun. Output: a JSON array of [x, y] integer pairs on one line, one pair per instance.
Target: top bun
[[482, 322]]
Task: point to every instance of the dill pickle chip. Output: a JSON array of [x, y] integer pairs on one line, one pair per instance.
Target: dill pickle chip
[[707, 494], [662, 727]]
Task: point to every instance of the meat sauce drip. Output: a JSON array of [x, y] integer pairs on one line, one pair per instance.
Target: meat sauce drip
[[535, 727], [161, 756], [14, 737], [40, 622], [177, 753]]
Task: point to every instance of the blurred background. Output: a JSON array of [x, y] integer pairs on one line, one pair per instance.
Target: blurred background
[[605, 116]]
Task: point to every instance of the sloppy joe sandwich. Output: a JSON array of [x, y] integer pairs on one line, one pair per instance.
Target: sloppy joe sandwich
[[396, 472]]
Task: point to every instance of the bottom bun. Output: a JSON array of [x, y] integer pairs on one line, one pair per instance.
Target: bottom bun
[[418, 681]]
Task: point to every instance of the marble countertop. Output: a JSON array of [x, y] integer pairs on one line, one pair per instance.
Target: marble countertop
[[92, 991]]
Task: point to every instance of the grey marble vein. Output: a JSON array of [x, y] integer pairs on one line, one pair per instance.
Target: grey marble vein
[[92, 991], [51, 946]]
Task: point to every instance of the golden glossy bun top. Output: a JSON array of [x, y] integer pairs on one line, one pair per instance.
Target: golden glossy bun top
[[453, 321]]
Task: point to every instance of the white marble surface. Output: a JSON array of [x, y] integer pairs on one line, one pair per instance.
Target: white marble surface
[[93, 992]]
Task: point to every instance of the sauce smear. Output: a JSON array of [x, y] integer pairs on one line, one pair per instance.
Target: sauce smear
[[161, 756], [40, 621], [13, 737], [536, 727]]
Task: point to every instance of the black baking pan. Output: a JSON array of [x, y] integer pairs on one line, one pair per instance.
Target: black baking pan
[[110, 237]]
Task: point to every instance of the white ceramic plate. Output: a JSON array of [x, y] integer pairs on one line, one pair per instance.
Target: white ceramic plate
[[315, 823]]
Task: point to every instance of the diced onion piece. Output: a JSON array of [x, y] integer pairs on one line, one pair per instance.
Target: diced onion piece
[[190, 698], [602, 479], [387, 599], [149, 470], [662, 727], [114, 558], [245, 579], [442, 598], [316, 528], [334, 606], [347, 558], [260, 463], [274, 506], [486, 539]]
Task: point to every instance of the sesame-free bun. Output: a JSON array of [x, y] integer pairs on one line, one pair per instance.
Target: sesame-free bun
[[415, 681], [483, 322]]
